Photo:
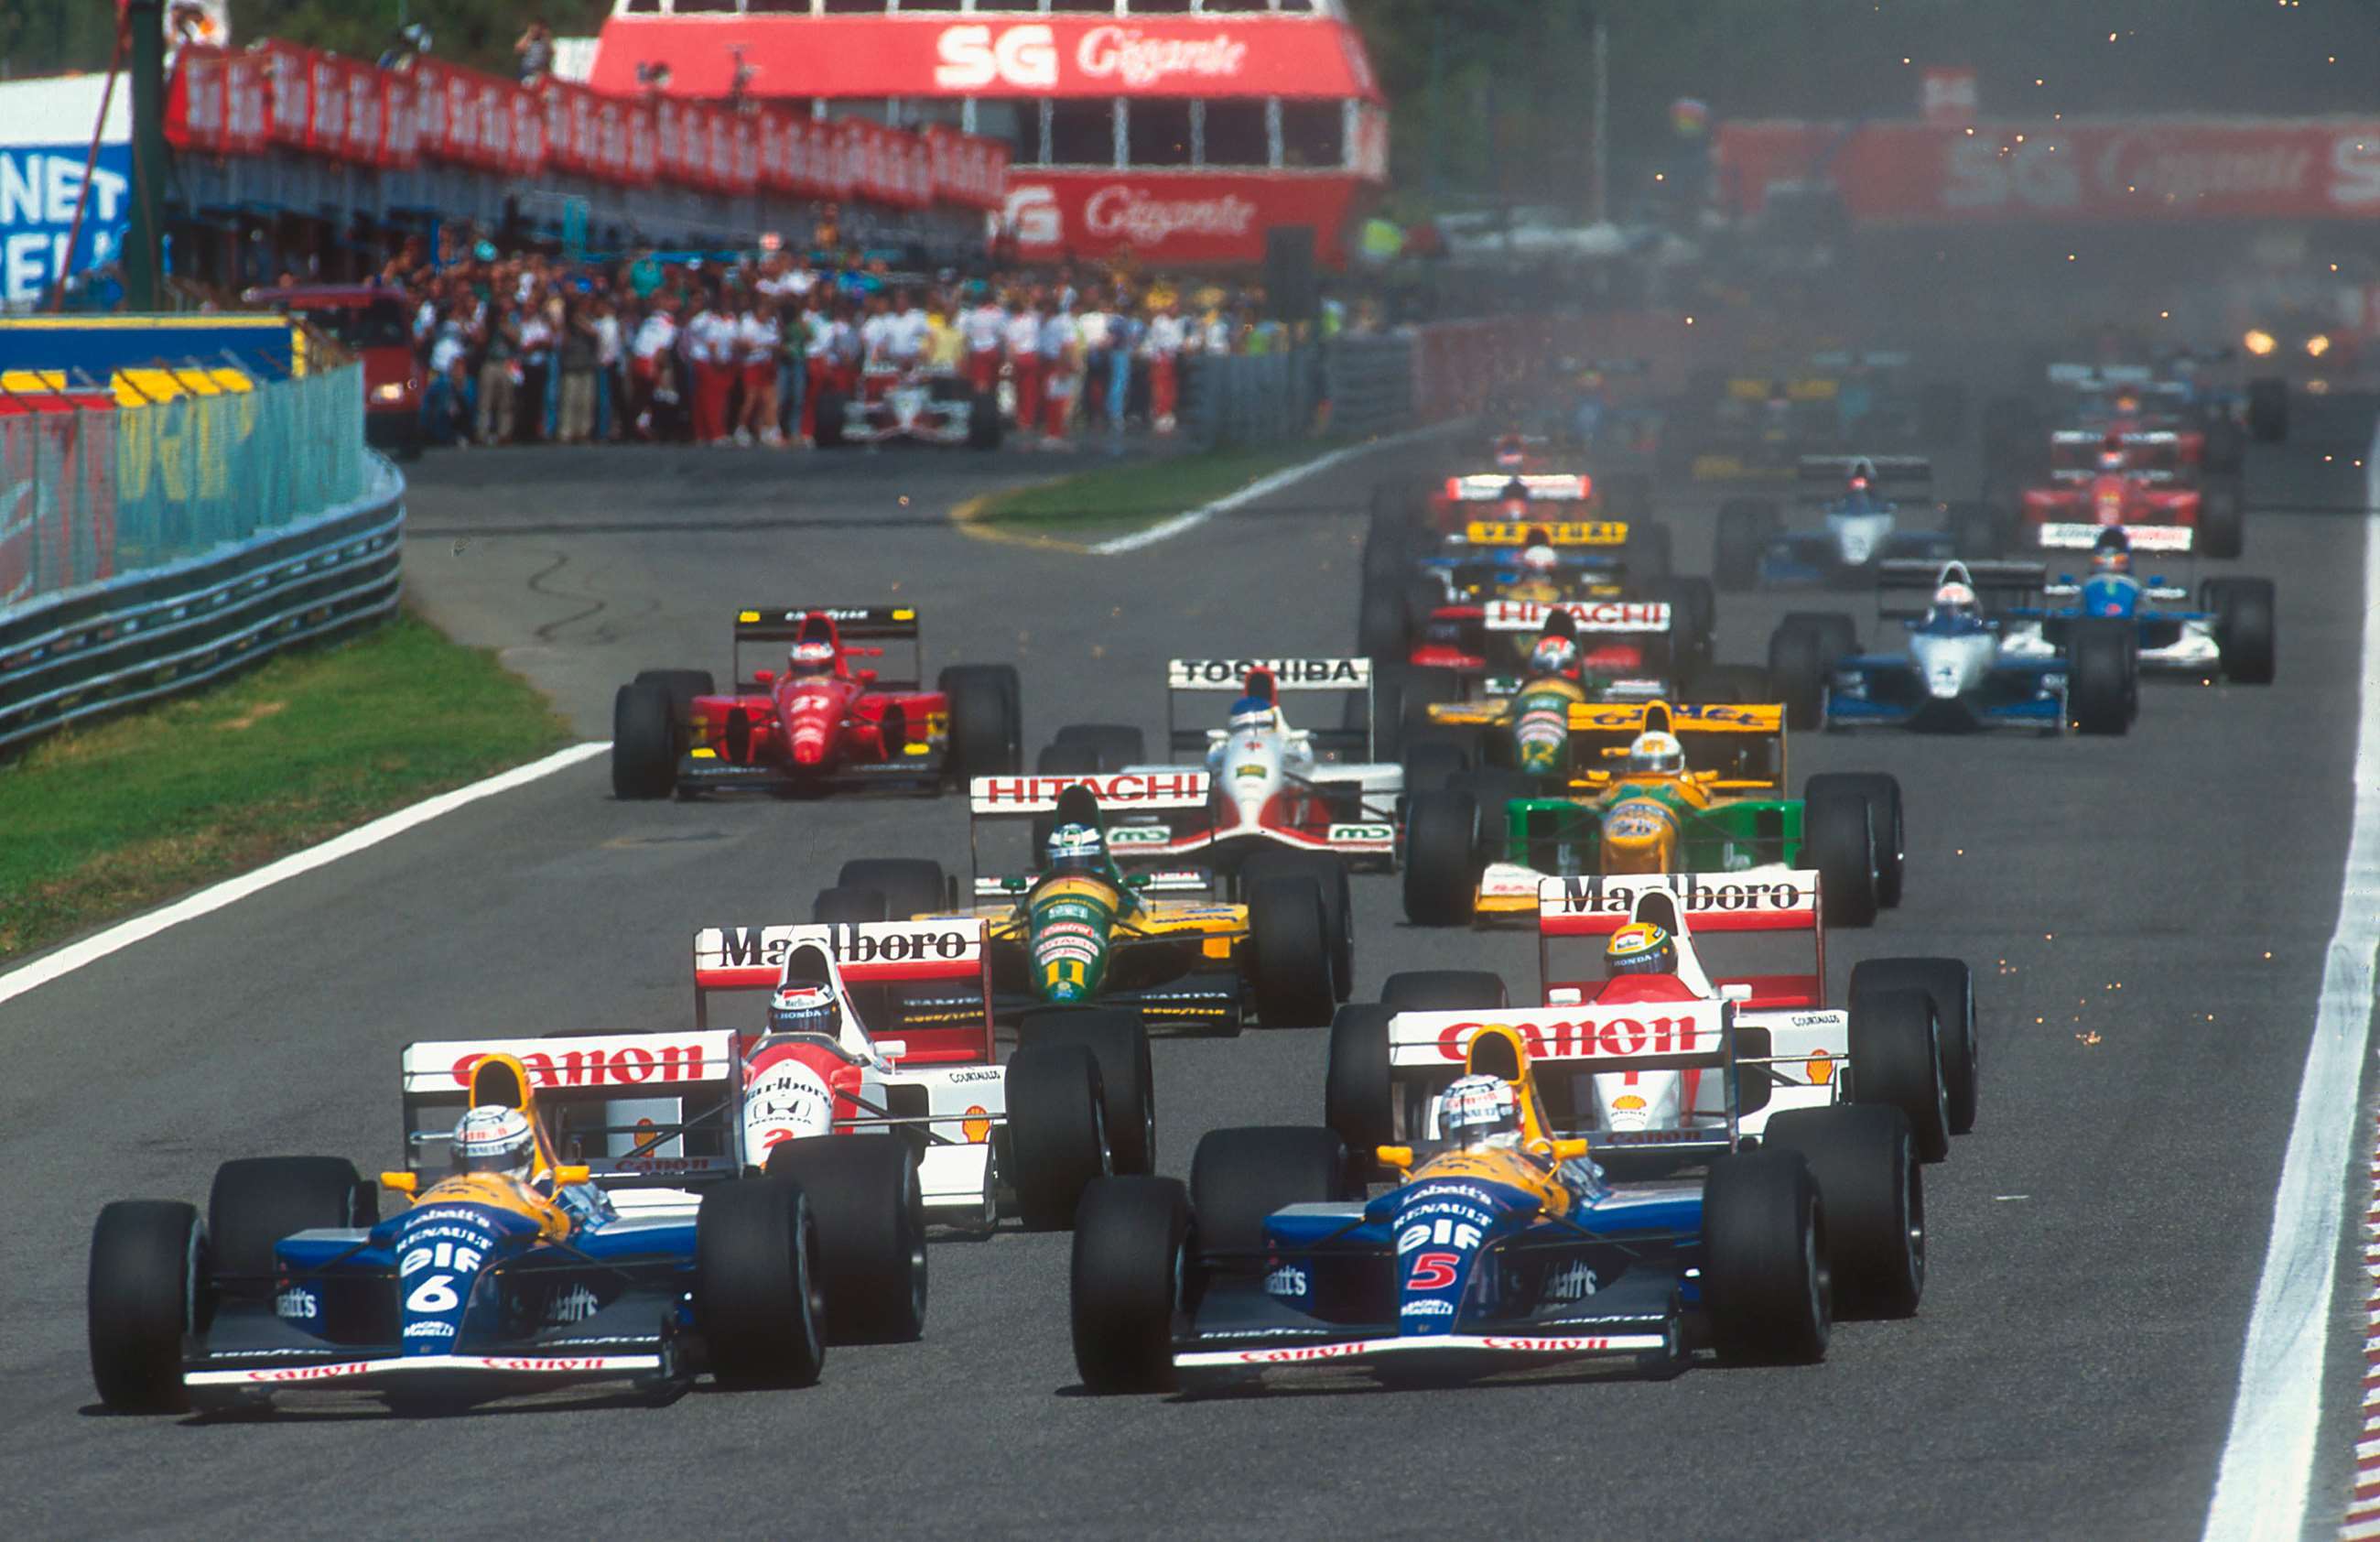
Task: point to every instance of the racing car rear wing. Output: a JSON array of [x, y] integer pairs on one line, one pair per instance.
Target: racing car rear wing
[[1998, 585], [1155, 792], [1740, 744], [1666, 1035], [1536, 486], [1873, 359], [852, 623], [1592, 616], [636, 1108], [1881, 469], [951, 948], [2087, 375], [1688, 905], [1555, 532], [2173, 540], [1252, 675]]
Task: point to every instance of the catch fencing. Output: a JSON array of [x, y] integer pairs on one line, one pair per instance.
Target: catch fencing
[[145, 548]]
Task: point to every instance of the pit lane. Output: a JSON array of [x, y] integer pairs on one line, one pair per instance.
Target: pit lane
[[2146, 917]]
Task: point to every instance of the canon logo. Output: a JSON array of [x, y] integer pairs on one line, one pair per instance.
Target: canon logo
[[1132, 215], [1564, 1040], [1124, 52]]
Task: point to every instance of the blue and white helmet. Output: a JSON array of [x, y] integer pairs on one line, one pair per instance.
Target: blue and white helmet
[[1479, 1110], [1250, 714], [1076, 848]]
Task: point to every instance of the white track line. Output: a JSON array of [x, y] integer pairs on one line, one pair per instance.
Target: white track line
[[91, 949], [1285, 477], [2260, 1490]]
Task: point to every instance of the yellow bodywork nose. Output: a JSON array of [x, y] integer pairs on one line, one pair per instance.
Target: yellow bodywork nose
[[1640, 835]]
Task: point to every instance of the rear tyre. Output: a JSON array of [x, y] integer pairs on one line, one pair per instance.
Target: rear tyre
[[1057, 1135], [1118, 1043], [1128, 1260], [1744, 526], [1765, 1281], [1441, 876], [1897, 1061], [1838, 633], [1885, 822], [756, 1292], [1291, 968], [2100, 677], [256, 1201], [986, 737], [1874, 1193], [1444, 990], [1949, 985], [1115, 745], [1329, 876], [1797, 676], [870, 1220], [1380, 630], [835, 907], [148, 1267], [644, 742], [2222, 518], [1838, 840], [2243, 628], [911, 885], [1239, 1177], [1431, 764], [1357, 1098], [1731, 685]]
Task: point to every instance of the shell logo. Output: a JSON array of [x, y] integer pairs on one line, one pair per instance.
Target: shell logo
[[977, 1124]]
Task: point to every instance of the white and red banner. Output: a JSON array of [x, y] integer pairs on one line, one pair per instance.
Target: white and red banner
[[2279, 169], [1302, 55], [1176, 217]]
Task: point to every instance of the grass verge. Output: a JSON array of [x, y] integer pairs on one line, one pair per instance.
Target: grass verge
[[1114, 499], [128, 812]]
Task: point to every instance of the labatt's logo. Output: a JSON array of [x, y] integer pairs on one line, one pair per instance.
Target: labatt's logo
[[1565, 1040], [1125, 213], [1139, 60]]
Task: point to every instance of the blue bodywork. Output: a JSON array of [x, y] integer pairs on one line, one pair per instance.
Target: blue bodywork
[[1899, 689], [1860, 531]]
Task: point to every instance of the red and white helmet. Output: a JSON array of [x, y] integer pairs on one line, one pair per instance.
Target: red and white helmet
[[811, 657], [1540, 560], [492, 1138], [1956, 599]]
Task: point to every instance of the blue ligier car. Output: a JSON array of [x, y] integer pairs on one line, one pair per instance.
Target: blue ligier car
[[1860, 526], [514, 1273], [2229, 634], [1500, 1245]]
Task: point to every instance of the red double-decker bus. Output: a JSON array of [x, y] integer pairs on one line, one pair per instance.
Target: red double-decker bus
[[1176, 131]]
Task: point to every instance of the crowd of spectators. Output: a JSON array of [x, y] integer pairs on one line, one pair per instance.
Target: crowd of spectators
[[526, 348]]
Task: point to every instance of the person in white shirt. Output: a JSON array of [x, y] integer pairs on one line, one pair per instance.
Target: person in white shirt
[[1025, 362], [653, 355], [608, 352], [1062, 371], [709, 344], [1162, 348], [906, 337], [757, 335], [1091, 330], [876, 331], [983, 325]]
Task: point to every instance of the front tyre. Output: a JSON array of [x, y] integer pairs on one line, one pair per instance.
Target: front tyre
[[1131, 1240], [870, 1220], [148, 1267], [1766, 1283], [1874, 1192], [1441, 876], [1838, 840], [1289, 936], [757, 1288], [1057, 1132], [644, 742]]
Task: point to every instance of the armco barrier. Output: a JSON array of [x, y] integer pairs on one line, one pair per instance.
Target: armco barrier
[[167, 628]]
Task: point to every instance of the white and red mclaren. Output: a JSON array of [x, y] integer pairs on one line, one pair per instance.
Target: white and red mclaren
[[1272, 785]]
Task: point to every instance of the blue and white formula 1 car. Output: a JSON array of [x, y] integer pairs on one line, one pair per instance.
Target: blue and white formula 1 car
[[1951, 674], [2228, 634], [1862, 528]]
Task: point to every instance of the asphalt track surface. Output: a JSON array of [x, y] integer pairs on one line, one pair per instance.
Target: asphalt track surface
[[2146, 918]]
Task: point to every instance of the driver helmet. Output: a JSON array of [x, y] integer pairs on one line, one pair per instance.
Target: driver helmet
[[1657, 751], [492, 1138], [1640, 947], [1076, 848], [1540, 560], [1555, 654], [804, 1007], [1955, 601], [1479, 1110], [2113, 554], [1250, 714], [2111, 455], [1511, 452], [805, 660]]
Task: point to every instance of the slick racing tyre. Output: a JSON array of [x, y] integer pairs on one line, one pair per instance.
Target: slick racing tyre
[[1731, 685], [757, 1298], [1112, 745], [987, 732], [1056, 1132], [846, 906], [1949, 985], [148, 1267], [1873, 1192], [1838, 633], [1745, 527], [1445, 990], [1432, 764], [870, 1220], [2102, 682], [256, 1201], [1357, 1094], [1838, 840], [2243, 629], [1291, 940], [1382, 633], [1896, 1055], [911, 885], [1129, 1257], [682, 685], [1883, 795], [1239, 1177], [2225, 452], [1798, 676], [1118, 1043], [644, 742], [1767, 1284], [2222, 518], [1329, 876], [1441, 876]]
